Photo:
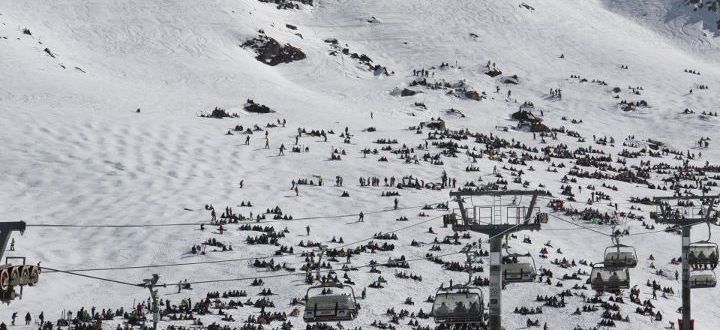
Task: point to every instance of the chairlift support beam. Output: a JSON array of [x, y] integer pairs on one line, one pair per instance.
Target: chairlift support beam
[[6, 228], [496, 229]]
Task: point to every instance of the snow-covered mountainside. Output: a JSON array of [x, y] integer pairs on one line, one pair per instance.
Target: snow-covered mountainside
[[107, 124]]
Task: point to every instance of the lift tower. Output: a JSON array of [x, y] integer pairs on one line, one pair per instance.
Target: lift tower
[[495, 219], [151, 284], [14, 275], [685, 211]]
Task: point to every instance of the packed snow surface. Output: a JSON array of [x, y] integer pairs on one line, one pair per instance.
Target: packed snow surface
[[75, 150]]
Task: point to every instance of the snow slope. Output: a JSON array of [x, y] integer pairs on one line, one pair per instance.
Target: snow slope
[[74, 150]]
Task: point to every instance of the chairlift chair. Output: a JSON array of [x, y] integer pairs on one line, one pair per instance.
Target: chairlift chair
[[13, 276], [702, 279], [460, 304], [330, 307], [518, 272], [703, 254], [619, 255], [609, 278]]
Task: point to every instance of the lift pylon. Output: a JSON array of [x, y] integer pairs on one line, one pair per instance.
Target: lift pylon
[[685, 212], [501, 212]]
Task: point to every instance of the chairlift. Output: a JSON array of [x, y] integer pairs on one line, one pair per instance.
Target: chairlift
[[703, 254], [14, 276], [514, 271], [330, 307], [620, 255], [459, 304], [702, 279], [609, 278], [18, 275]]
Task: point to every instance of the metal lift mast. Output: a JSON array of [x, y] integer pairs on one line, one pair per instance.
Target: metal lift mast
[[497, 226], [667, 215]]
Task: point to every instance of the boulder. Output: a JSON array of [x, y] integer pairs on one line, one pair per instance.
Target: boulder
[[407, 92], [271, 52], [252, 106]]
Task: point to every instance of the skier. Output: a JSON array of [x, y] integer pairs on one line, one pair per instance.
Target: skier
[[307, 229], [361, 218], [396, 203], [27, 318]]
